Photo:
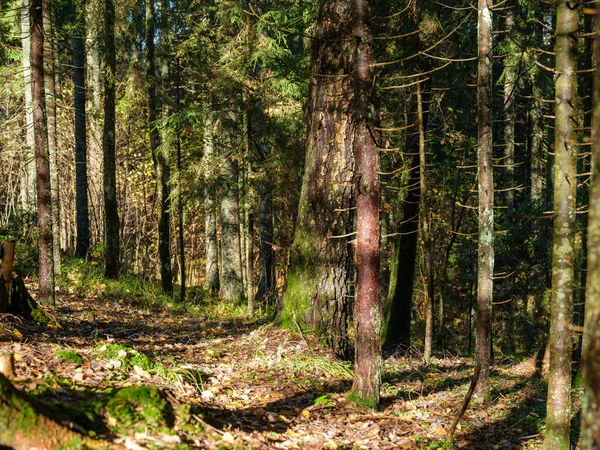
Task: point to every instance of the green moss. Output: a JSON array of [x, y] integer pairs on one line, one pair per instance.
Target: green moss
[[298, 298], [127, 356], [69, 356], [139, 408], [362, 401]]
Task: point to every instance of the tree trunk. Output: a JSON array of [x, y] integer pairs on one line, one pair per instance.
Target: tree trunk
[[558, 415], [266, 279], [590, 410], [320, 277], [111, 213], [485, 271], [211, 283], [44, 207], [231, 279], [29, 173], [180, 207], [81, 173], [510, 86], [160, 158], [368, 364], [50, 96]]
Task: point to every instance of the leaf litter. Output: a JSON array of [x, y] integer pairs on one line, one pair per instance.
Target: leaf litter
[[241, 383]]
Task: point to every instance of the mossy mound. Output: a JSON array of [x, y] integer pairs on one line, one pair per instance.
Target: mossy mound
[[142, 409]]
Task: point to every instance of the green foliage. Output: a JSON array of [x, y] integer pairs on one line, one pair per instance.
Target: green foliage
[[127, 357], [69, 356]]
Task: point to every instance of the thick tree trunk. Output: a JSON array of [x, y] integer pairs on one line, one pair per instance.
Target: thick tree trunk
[[81, 173], [590, 410], [44, 207], [558, 415], [368, 364], [210, 161], [318, 286], [485, 271], [161, 165], [266, 279], [28, 201], [111, 213], [231, 277]]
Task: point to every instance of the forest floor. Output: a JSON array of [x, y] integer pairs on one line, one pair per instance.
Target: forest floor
[[242, 383]]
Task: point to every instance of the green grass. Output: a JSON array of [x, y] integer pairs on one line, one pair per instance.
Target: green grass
[[69, 356]]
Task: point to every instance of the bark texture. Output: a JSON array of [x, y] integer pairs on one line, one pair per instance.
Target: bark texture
[[44, 206], [211, 243], [485, 263], [321, 274], [28, 200], [558, 416], [111, 213], [368, 364], [81, 173]]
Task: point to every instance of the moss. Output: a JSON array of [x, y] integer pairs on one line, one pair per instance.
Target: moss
[[69, 356], [362, 401], [139, 408], [127, 356]]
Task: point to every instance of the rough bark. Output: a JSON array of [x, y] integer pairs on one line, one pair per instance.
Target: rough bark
[[211, 282], [44, 207], [81, 172], [159, 156], [510, 85], [231, 276], [111, 213], [180, 206], [590, 409], [28, 179], [558, 416], [485, 264], [368, 364], [266, 259], [318, 285]]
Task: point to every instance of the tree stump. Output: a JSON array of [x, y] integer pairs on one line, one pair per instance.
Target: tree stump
[[14, 297], [7, 363]]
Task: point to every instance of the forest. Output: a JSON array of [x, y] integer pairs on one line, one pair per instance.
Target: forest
[[336, 224]]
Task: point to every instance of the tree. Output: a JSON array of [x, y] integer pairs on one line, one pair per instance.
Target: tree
[[368, 364], [211, 279], [159, 156], [590, 409], [46, 270], [111, 213], [81, 172], [28, 174], [558, 416], [318, 286], [485, 264]]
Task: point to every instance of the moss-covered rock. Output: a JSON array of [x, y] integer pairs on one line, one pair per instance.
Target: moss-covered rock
[[141, 409]]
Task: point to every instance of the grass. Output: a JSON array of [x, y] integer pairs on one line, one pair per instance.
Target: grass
[[69, 356]]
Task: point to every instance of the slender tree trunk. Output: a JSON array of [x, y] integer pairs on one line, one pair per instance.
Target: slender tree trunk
[[249, 250], [320, 276], [44, 208], [50, 97], [111, 213], [510, 85], [212, 282], [368, 364], [180, 207], [485, 265], [266, 259], [590, 410], [231, 277], [28, 182], [425, 228], [81, 174], [161, 165], [558, 415]]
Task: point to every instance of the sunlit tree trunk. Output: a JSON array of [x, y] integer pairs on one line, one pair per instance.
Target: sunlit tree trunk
[[81, 172], [318, 284], [590, 410], [558, 416], [28, 178], [44, 210], [368, 364], [485, 272], [209, 162], [50, 97], [111, 213], [266, 258]]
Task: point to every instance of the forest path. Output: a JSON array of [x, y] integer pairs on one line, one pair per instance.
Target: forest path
[[255, 386]]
